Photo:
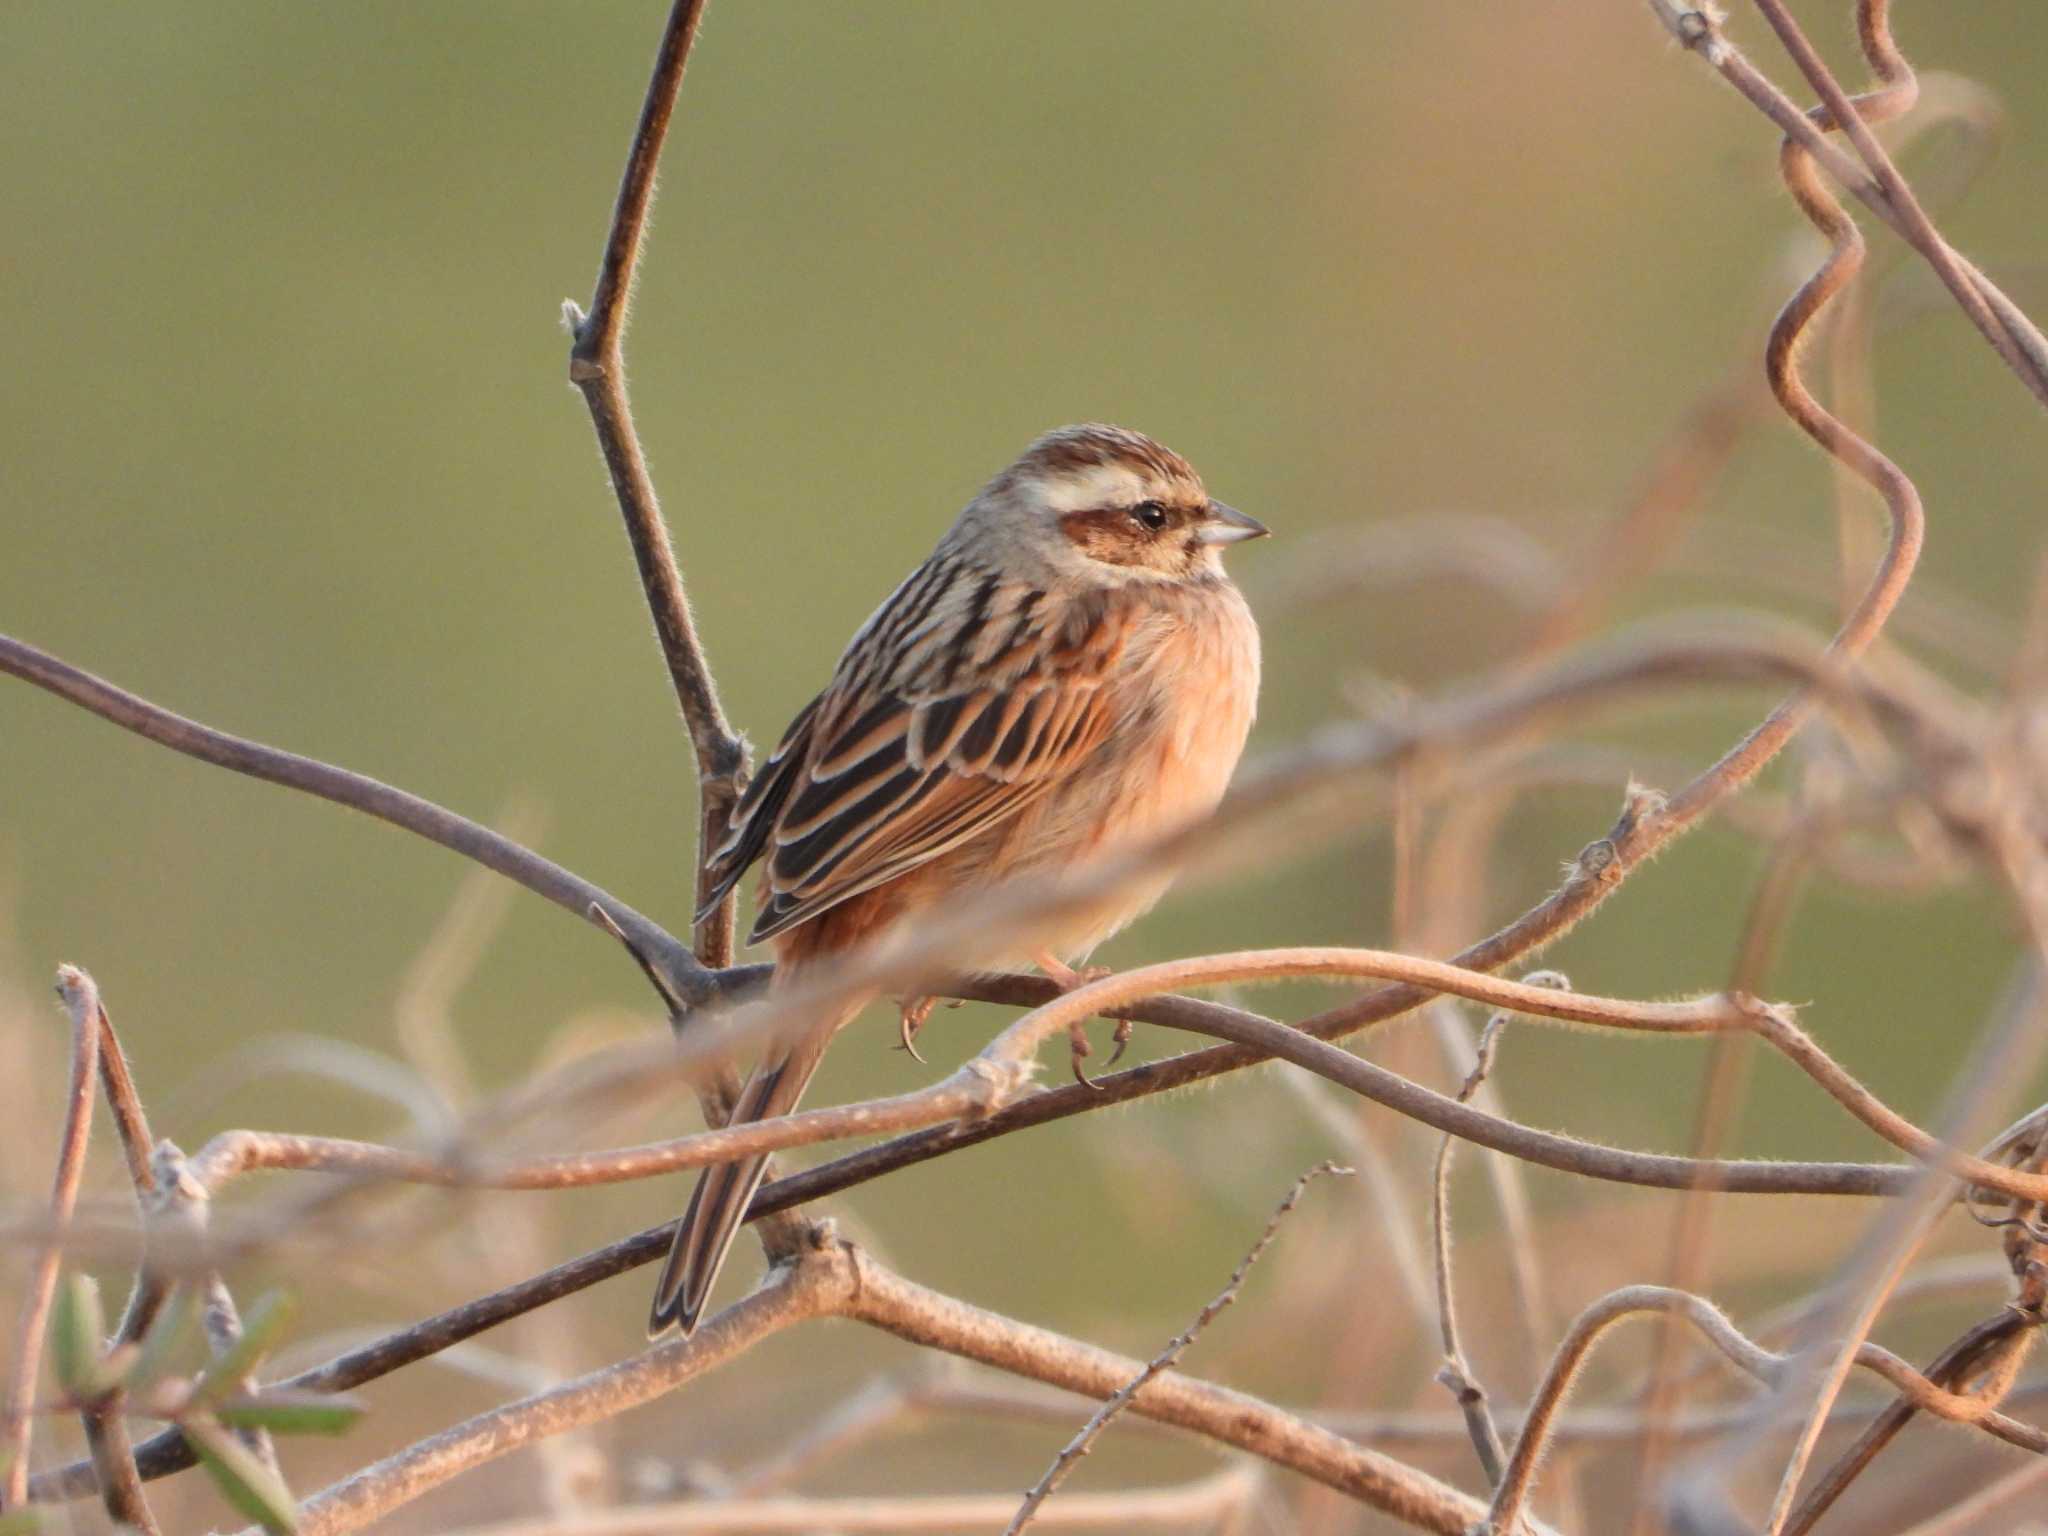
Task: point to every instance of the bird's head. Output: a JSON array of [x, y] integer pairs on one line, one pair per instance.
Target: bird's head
[[1113, 505]]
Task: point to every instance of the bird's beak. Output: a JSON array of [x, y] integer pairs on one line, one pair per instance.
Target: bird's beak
[[1227, 525]]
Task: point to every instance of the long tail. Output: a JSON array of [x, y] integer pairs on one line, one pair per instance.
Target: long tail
[[725, 1190]]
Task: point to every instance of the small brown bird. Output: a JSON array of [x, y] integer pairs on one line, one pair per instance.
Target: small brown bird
[[1070, 672]]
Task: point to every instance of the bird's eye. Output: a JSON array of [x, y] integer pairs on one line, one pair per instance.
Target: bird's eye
[[1149, 515]]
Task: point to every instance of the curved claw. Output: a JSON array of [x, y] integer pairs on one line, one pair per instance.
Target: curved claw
[[1077, 1038], [1120, 1039], [907, 1033], [910, 1016]]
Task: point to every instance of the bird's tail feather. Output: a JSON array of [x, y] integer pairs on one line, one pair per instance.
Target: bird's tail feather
[[725, 1190]]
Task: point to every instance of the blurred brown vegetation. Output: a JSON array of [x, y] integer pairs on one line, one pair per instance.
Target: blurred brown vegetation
[[285, 445]]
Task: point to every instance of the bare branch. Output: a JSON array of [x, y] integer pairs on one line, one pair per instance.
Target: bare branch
[[1455, 1374], [791, 1294], [82, 1000], [2020, 343], [920, 1316], [597, 368], [113, 1457], [1084, 1440], [1183, 1508], [2016, 342], [1741, 1352], [356, 791], [1962, 1360]]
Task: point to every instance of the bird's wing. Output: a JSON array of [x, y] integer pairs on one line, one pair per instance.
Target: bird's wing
[[965, 698]]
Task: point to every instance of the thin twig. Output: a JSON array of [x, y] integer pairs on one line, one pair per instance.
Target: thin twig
[[792, 1293], [1988, 1500], [1165, 1360], [82, 1001], [137, 1145], [1741, 1352], [1955, 1365], [358, 792], [2023, 354], [113, 1458], [1184, 1508], [832, 1278], [993, 1077], [888, 1301], [1455, 1374], [1720, 1096], [1699, 30], [2008, 1055], [597, 368], [105, 1417]]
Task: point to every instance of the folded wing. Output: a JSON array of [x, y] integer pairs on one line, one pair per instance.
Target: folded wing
[[959, 704]]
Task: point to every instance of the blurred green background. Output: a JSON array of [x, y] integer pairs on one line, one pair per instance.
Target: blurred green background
[[286, 444]]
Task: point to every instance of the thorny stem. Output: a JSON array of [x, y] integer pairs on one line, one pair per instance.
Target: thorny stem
[[1084, 1440], [918, 1315]]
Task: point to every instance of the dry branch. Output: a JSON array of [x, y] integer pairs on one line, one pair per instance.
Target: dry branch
[[1085, 1438], [356, 791], [1205, 1505], [1742, 1353], [983, 1100], [82, 1002], [597, 368]]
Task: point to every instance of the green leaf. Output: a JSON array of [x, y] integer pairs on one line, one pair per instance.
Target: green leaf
[[162, 1339], [291, 1413], [246, 1483], [262, 1330], [76, 1329]]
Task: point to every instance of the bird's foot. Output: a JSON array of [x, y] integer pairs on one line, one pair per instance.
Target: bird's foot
[[1066, 978], [1120, 1039], [911, 1013], [910, 1017]]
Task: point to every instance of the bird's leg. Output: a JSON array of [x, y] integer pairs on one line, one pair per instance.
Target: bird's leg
[[1066, 978]]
